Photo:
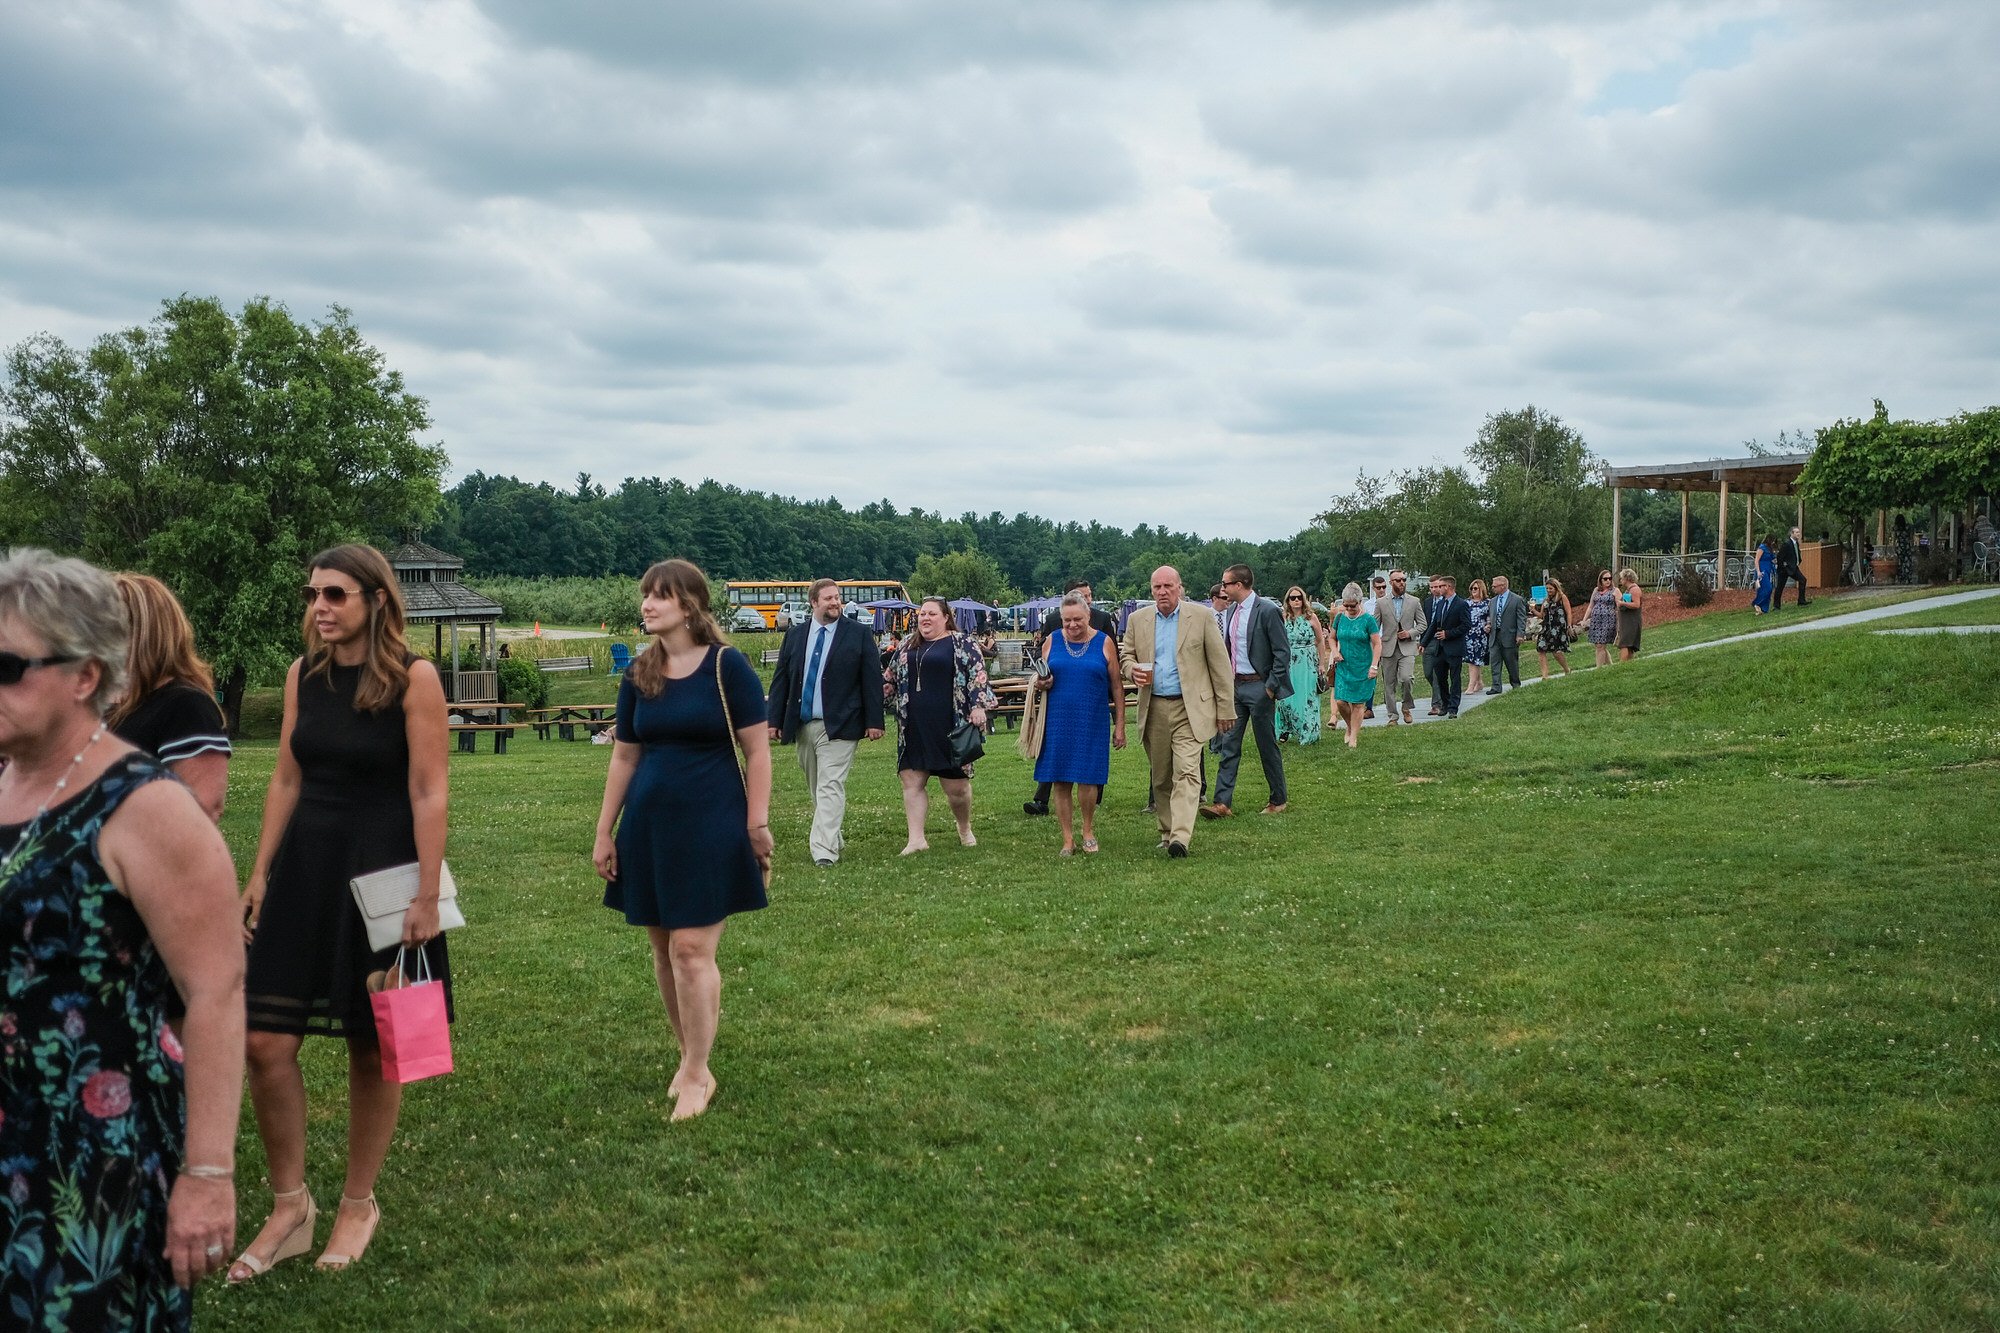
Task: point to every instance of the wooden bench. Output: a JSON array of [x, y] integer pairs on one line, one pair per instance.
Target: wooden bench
[[468, 736], [593, 718], [769, 657], [554, 664]]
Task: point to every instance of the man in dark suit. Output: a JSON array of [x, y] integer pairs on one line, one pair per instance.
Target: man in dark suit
[[1099, 620], [1253, 632], [1506, 625], [1791, 565], [1450, 621], [826, 695]]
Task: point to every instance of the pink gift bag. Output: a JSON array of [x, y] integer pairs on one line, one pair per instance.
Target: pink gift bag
[[410, 1023]]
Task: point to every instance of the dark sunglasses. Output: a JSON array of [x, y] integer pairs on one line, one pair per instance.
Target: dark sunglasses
[[1295, 599], [334, 594], [13, 666]]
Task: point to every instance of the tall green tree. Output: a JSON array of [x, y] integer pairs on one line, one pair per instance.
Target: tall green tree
[[956, 574], [219, 452]]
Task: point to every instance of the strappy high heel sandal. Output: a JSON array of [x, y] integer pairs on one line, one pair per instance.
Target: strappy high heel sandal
[[296, 1242], [333, 1263]]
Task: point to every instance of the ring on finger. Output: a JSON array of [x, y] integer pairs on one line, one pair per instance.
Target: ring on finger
[[213, 1251]]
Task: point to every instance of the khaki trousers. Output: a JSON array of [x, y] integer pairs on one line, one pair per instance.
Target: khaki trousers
[[1174, 756], [1399, 670], [825, 762]]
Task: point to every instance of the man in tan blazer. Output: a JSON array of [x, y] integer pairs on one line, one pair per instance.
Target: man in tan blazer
[[1401, 614], [1173, 651]]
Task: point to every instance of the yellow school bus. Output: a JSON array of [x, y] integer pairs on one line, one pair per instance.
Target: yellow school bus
[[769, 596]]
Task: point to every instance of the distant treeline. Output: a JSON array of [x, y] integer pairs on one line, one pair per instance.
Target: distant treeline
[[504, 527]]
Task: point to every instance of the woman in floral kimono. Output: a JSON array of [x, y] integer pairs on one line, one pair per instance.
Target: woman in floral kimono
[[936, 681]]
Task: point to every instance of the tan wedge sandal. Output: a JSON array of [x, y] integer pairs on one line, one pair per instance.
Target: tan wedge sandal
[[296, 1242], [333, 1263]]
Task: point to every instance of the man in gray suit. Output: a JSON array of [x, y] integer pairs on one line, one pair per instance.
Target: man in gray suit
[[1402, 618], [1253, 633], [1506, 623]]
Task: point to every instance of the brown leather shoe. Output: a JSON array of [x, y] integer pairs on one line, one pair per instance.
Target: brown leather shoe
[[1217, 811], [1277, 809], [1409, 717]]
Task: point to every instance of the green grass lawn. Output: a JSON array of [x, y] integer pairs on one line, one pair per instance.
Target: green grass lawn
[[1662, 998]]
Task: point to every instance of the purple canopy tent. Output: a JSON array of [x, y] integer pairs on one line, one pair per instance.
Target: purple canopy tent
[[886, 609], [1030, 612], [967, 612]]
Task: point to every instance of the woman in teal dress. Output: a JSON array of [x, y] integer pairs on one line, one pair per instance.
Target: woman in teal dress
[[1357, 655], [1298, 714]]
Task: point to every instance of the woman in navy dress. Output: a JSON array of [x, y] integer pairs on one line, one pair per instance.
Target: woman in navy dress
[[694, 844], [1086, 717], [936, 680]]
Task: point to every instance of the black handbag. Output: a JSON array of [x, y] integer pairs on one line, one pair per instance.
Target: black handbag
[[967, 743]]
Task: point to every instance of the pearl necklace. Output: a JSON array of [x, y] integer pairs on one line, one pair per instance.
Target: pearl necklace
[[55, 791]]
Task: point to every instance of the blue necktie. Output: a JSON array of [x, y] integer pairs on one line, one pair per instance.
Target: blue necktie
[[812, 676]]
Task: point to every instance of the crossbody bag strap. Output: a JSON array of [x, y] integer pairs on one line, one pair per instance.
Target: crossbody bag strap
[[730, 722]]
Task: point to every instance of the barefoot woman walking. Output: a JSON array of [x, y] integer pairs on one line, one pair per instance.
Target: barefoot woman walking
[[695, 837]]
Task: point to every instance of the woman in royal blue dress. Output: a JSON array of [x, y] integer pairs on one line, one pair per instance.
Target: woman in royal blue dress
[[1767, 570], [694, 844], [1085, 719]]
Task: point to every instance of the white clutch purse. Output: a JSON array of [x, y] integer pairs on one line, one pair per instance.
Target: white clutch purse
[[385, 895]]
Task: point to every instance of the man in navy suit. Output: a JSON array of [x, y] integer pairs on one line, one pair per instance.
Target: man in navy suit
[[826, 694], [1450, 621]]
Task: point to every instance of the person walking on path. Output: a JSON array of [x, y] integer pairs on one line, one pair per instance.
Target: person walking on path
[[1253, 629], [1475, 640], [360, 786], [1173, 653], [1602, 626], [1378, 590], [1450, 622], [1079, 729], [1767, 572], [937, 682], [684, 831], [1630, 620], [1298, 713], [1790, 567], [1401, 617], [1506, 626], [826, 696], [1357, 658], [1433, 658], [116, 889], [1553, 638]]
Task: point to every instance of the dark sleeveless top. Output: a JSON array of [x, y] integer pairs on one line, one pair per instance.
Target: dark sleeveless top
[[93, 1118], [310, 961]]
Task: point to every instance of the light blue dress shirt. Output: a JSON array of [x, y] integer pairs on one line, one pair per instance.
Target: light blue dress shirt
[[1166, 642]]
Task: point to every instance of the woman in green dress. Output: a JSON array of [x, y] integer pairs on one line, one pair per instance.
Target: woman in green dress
[[1357, 655], [1298, 713]]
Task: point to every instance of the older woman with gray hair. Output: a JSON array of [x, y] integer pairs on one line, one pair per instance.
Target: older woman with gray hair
[[1357, 656], [1086, 717], [114, 886]]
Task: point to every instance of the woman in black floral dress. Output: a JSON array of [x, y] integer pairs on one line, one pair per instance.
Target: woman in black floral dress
[[1553, 640], [116, 1189]]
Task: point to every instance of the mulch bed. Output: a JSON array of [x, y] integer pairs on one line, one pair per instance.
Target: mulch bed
[[1664, 608]]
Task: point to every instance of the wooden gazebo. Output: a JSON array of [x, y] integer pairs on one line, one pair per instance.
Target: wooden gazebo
[[432, 594], [1773, 474]]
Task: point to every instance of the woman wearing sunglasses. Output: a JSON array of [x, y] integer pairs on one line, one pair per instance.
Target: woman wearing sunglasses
[[115, 890], [1601, 623], [359, 786], [1299, 715]]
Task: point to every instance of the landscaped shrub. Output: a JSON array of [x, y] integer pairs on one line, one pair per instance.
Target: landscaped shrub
[[1935, 566], [522, 682], [1691, 586]]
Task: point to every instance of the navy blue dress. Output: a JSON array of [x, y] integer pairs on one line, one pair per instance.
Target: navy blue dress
[[684, 855], [1076, 740]]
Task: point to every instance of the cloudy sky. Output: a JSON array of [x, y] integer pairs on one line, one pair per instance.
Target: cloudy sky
[[1134, 260]]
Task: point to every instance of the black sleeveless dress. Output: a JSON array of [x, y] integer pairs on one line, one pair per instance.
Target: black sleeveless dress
[[92, 1112], [310, 961]]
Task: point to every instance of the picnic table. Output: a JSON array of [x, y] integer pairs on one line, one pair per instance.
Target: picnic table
[[468, 734], [1011, 700], [593, 718]]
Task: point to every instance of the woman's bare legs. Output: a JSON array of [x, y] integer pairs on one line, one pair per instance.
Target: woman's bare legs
[[663, 977], [1086, 796], [1065, 794], [698, 1002], [916, 807], [1603, 653], [1562, 660], [278, 1095], [1473, 686], [958, 795], [373, 1104]]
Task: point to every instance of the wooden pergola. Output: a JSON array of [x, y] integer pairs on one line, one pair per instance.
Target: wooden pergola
[[1774, 474], [428, 579]]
